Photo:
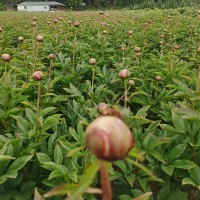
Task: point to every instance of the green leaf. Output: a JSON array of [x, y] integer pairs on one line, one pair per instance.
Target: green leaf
[[168, 169], [30, 115], [47, 111], [195, 174], [42, 157], [143, 168], [158, 156], [137, 153], [145, 196], [142, 111], [178, 195], [86, 180], [188, 181], [58, 156], [176, 152], [5, 157], [183, 164], [19, 163]]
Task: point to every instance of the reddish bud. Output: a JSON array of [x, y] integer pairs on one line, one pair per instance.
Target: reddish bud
[[137, 49], [5, 57], [124, 74], [76, 24], [109, 138], [37, 76]]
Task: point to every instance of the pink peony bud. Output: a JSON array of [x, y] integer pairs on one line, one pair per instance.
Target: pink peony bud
[[124, 74], [158, 78], [131, 82], [109, 138], [37, 76], [76, 24], [52, 56], [5, 57]]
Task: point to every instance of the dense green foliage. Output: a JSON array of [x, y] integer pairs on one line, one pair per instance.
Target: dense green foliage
[[45, 147]]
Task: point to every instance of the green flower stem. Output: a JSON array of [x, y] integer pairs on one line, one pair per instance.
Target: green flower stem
[[92, 86], [36, 56], [105, 181], [49, 79], [38, 113], [125, 93], [5, 85], [38, 99], [198, 81], [33, 39], [74, 50]]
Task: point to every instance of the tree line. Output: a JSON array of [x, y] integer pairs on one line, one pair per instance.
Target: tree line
[[132, 4]]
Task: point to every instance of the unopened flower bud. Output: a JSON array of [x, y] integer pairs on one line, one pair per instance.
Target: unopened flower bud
[[131, 82], [40, 38], [176, 47], [198, 50], [52, 56], [124, 74], [109, 138], [20, 39], [130, 32], [76, 24], [5, 57], [37, 76], [158, 78], [104, 32], [137, 49], [92, 61], [33, 23], [101, 107]]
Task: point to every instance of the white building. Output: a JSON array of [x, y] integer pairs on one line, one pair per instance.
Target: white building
[[40, 6]]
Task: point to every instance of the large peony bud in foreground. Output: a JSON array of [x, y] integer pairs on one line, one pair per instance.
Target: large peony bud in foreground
[[109, 138]]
